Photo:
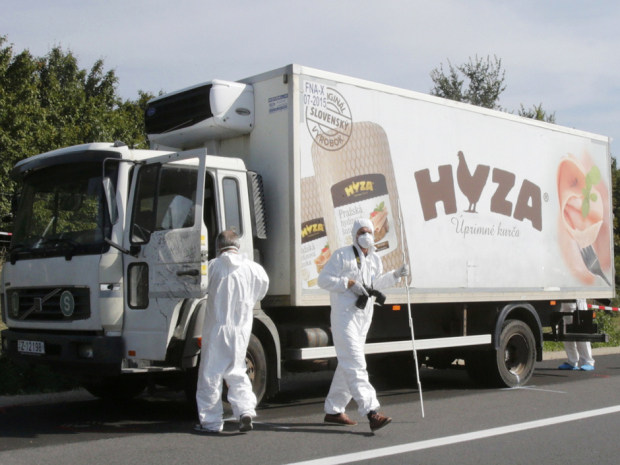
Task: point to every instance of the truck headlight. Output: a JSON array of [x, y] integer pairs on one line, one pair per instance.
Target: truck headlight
[[14, 303]]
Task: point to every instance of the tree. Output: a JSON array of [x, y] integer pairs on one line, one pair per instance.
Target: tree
[[615, 195], [537, 113], [485, 82], [49, 102]]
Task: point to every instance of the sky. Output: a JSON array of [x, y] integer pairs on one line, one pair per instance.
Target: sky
[[564, 54]]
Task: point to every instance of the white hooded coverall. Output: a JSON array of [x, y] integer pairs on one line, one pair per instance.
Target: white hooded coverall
[[350, 324], [235, 284], [578, 353]]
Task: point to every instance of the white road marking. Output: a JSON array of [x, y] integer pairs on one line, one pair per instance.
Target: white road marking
[[531, 388], [487, 433]]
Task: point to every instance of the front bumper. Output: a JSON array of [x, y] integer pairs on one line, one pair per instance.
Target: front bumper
[[62, 351]]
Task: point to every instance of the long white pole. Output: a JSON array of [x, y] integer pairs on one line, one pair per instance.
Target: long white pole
[[415, 353]]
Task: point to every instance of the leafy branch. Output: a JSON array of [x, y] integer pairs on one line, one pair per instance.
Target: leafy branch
[[592, 179]]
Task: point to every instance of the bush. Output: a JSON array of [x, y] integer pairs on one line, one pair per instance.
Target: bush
[[608, 323]]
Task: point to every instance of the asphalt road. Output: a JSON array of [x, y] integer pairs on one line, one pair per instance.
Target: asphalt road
[[561, 417]]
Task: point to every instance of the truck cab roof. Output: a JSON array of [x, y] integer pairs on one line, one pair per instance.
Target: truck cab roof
[[99, 151]]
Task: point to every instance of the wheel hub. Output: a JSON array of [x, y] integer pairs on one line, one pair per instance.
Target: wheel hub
[[516, 354], [249, 362]]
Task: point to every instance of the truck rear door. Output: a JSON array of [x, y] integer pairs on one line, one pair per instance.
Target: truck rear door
[[165, 221]]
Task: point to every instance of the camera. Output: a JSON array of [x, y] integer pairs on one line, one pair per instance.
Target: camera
[[363, 299]]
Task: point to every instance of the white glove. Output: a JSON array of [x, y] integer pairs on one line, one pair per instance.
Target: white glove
[[358, 289], [402, 271]]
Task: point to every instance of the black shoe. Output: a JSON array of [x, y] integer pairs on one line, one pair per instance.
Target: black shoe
[[246, 423]]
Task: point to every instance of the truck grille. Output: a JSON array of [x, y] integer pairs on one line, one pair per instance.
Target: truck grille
[[44, 304]]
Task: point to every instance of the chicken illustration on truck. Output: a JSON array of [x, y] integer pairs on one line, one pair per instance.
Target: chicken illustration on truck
[[503, 219]]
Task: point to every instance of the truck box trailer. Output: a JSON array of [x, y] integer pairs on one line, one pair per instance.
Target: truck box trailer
[[503, 219]]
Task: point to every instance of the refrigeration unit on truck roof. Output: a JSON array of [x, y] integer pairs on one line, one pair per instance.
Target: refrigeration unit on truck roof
[[210, 111]]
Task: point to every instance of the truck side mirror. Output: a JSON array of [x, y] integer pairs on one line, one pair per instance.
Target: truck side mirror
[[110, 198]]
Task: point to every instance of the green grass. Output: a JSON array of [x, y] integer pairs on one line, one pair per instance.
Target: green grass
[[608, 323]]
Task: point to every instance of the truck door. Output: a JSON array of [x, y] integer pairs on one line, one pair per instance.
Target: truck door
[[165, 221]]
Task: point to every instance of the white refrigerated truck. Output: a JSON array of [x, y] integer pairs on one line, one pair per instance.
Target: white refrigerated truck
[[503, 219]]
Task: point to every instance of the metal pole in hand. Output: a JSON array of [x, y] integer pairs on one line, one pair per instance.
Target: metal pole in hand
[[415, 353]]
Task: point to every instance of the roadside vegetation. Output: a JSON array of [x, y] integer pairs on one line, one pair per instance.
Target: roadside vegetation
[[46, 103], [608, 323]]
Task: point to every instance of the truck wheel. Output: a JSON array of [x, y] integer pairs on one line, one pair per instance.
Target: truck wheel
[[516, 353], [256, 363], [512, 364], [121, 388]]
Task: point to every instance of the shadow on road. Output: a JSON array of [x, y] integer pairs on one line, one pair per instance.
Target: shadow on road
[[82, 418]]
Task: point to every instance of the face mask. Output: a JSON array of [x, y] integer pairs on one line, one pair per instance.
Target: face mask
[[365, 240], [226, 249]]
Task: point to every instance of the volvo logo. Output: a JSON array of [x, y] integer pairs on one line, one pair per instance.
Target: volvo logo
[[67, 303]]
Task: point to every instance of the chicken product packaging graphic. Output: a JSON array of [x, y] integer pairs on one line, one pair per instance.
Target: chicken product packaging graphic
[[490, 201], [315, 250], [364, 197], [358, 181]]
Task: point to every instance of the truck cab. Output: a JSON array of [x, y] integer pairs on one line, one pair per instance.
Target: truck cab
[[107, 271]]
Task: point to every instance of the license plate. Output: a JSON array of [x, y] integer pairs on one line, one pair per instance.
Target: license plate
[[31, 347]]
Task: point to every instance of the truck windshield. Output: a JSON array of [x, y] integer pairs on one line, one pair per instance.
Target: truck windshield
[[62, 212]]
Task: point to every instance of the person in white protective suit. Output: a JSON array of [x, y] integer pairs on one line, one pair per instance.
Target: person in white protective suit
[[344, 276], [579, 353], [235, 285]]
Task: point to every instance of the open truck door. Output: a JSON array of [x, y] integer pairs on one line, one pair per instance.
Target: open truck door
[[167, 237]]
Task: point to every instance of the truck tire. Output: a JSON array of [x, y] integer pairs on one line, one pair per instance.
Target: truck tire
[[512, 364], [516, 354], [256, 362], [117, 389]]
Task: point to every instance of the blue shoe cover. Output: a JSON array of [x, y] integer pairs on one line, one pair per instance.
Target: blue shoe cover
[[568, 366], [587, 367]]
